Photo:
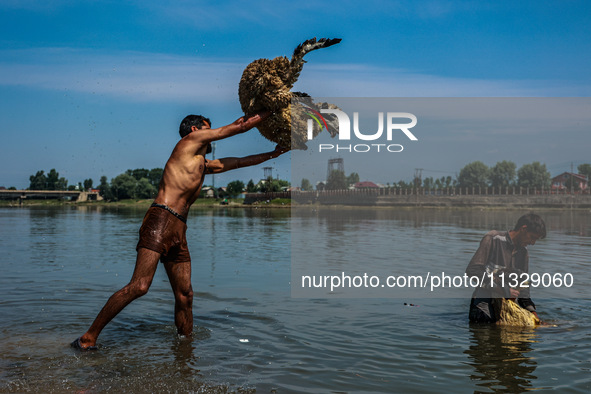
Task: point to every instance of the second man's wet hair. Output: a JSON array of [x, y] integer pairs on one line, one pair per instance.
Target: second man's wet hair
[[190, 121], [534, 224]]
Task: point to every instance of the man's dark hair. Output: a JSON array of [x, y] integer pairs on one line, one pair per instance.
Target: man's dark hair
[[192, 120], [534, 224]]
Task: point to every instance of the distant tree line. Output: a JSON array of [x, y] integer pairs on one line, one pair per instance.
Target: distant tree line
[[53, 181], [142, 183], [132, 184], [270, 184], [504, 174], [476, 174], [337, 180], [138, 183]]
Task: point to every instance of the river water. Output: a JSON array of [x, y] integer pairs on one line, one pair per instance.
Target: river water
[[60, 264]]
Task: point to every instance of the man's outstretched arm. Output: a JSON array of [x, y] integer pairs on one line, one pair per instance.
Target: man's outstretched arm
[[239, 126], [231, 163]]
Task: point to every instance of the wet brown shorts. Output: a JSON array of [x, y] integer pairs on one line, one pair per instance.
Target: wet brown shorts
[[165, 233]]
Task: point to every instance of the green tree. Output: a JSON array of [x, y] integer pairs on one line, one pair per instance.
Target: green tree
[[585, 169], [105, 189], [428, 183], [38, 181], [123, 186], [352, 179], [533, 175], [251, 187], [403, 185], [272, 185], [61, 184], [448, 181], [235, 188], [416, 181], [306, 185], [87, 184], [154, 176], [138, 173], [144, 189], [336, 180], [265, 185], [474, 174], [282, 184], [502, 174], [52, 179]]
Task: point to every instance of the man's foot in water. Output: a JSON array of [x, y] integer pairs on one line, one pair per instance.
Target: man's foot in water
[[81, 344]]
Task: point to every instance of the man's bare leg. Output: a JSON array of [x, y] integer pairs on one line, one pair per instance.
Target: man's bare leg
[[145, 268], [179, 275]]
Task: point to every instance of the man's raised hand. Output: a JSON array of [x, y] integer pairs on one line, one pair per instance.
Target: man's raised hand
[[279, 150], [247, 122]]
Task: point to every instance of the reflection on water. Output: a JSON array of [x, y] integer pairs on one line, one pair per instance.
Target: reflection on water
[[60, 264], [569, 222], [501, 357], [425, 243]]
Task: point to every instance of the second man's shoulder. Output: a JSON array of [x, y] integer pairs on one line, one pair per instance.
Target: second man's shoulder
[[495, 235]]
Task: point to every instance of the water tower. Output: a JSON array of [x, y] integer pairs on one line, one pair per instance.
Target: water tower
[[335, 164]]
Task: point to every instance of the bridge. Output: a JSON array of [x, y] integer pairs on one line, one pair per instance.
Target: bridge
[[74, 195]]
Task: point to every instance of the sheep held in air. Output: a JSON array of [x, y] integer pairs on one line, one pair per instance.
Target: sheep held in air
[[266, 86]]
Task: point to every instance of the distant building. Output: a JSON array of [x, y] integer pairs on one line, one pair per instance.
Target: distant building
[[208, 192], [94, 195], [559, 182], [365, 185]]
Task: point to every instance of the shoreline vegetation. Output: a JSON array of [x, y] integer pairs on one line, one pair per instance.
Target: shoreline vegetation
[[145, 203], [280, 203]]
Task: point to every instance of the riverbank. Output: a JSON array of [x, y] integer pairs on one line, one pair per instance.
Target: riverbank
[[200, 203], [446, 201], [350, 201]]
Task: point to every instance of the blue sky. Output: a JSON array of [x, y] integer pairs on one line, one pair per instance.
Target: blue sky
[[94, 88]]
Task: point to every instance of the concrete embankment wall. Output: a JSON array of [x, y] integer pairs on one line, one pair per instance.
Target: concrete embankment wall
[[562, 201], [497, 201]]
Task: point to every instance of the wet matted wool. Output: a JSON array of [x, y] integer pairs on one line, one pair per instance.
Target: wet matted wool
[[266, 86], [514, 315]]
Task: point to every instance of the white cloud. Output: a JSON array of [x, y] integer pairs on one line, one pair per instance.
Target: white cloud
[[131, 75], [139, 76]]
